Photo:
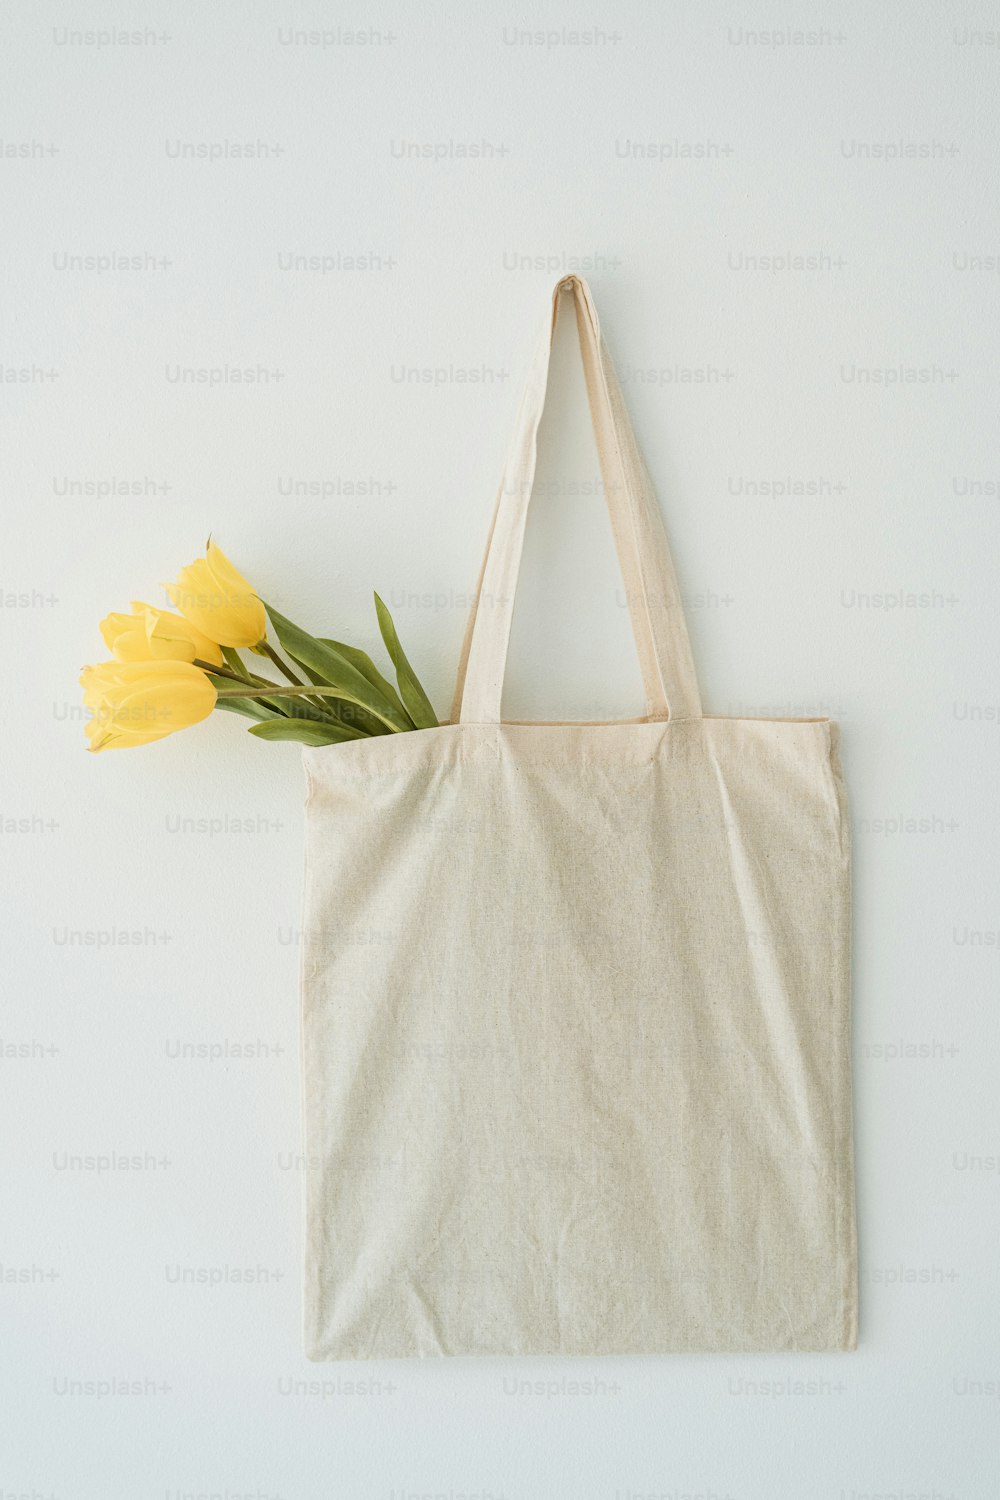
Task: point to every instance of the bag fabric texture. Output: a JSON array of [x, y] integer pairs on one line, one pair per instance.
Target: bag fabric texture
[[576, 999]]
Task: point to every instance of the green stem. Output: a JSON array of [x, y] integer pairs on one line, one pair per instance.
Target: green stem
[[282, 666], [266, 688], [249, 680], [207, 666], [302, 691]]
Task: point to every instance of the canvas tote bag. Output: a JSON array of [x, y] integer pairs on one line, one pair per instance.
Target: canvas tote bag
[[576, 999]]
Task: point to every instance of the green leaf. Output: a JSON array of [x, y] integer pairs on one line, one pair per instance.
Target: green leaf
[[304, 731], [368, 669], [346, 710], [353, 716], [300, 708], [251, 709], [335, 671], [418, 705]]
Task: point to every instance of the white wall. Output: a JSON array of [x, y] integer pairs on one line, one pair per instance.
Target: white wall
[[905, 493]]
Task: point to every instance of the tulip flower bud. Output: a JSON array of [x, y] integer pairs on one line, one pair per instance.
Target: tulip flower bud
[[218, 601], [133, 703], [151, 634]]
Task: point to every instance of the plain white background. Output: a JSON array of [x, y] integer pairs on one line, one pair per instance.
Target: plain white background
[[793, 243]]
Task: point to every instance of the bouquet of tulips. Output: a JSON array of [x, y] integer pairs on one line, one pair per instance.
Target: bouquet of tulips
[[171, 670]]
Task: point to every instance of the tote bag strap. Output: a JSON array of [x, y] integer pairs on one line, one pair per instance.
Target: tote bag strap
[[654, 599]]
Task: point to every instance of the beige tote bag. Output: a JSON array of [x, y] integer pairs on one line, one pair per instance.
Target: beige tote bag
[[576, 1000]]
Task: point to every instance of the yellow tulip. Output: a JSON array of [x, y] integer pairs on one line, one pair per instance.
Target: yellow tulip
[[151, 634], [218, 601], [136, 702]]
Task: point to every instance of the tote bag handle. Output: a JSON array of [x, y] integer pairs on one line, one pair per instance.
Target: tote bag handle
[[654, 599]]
